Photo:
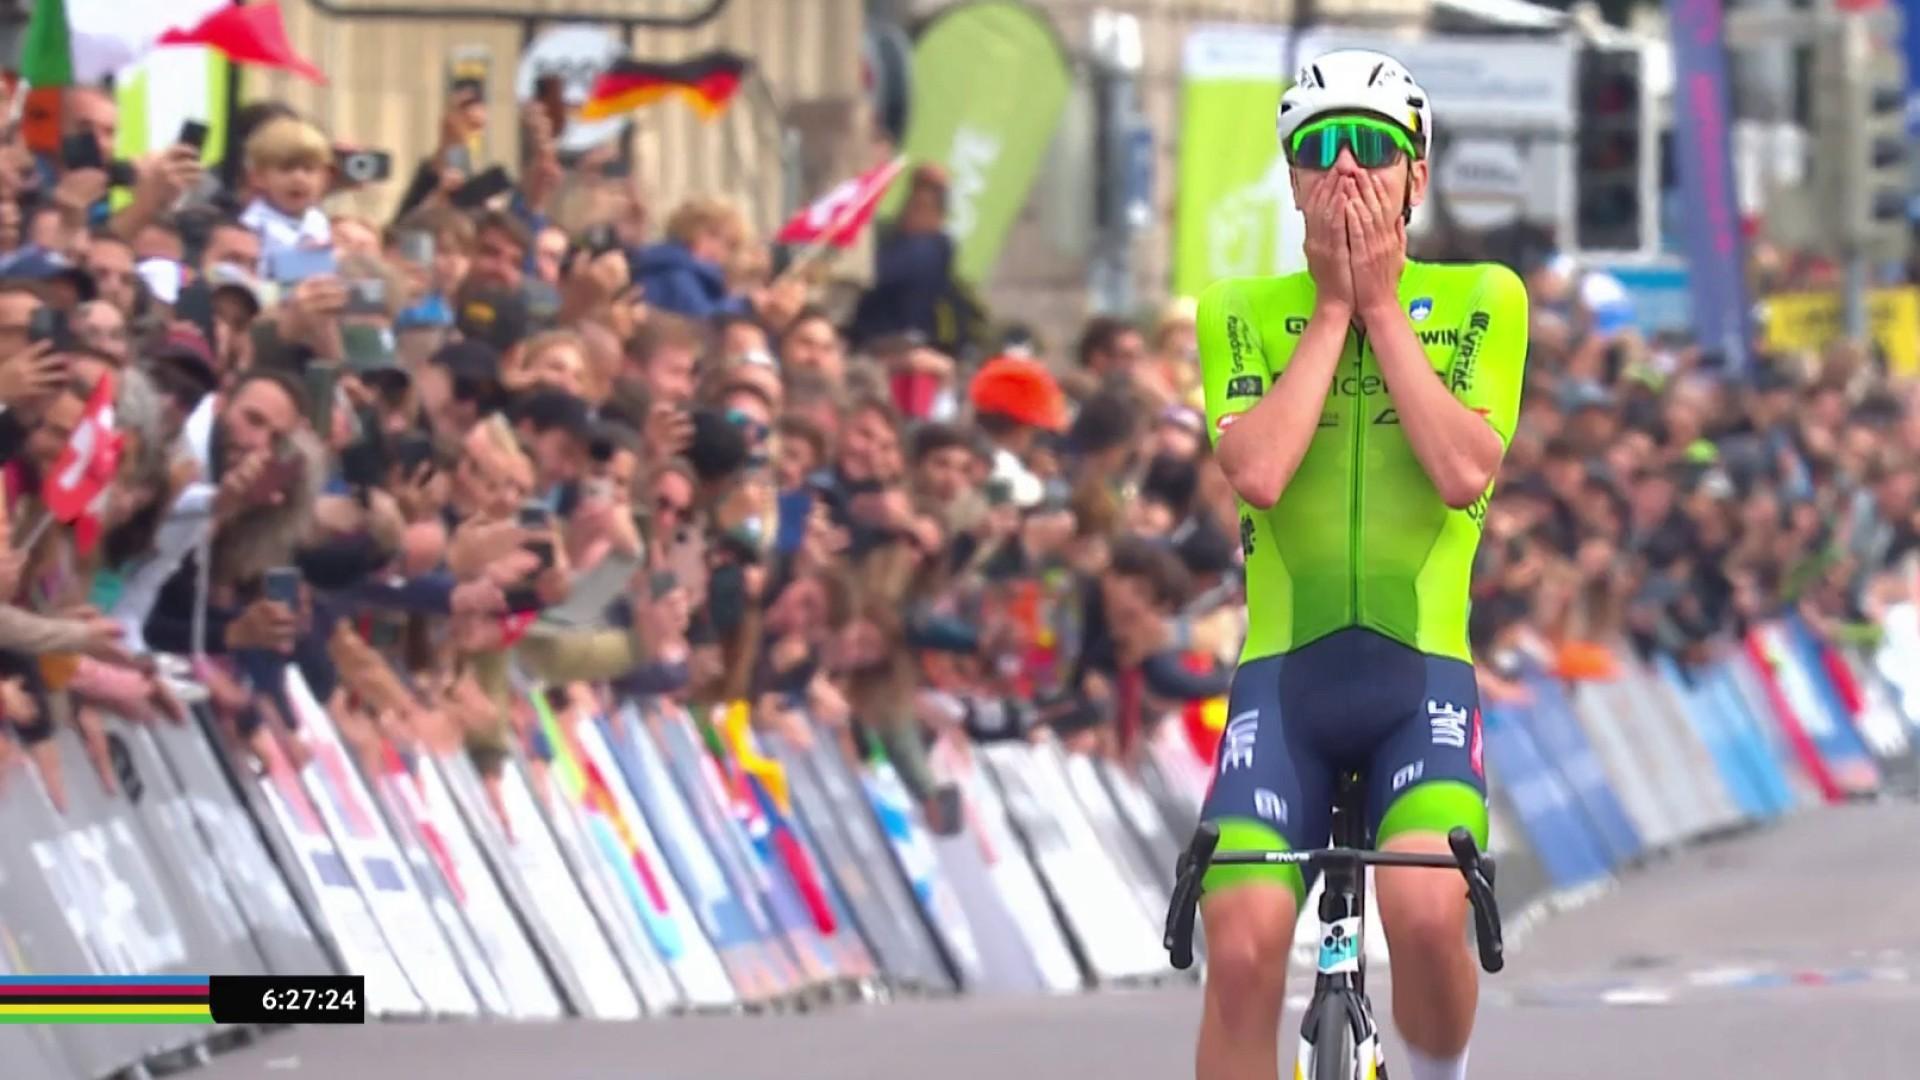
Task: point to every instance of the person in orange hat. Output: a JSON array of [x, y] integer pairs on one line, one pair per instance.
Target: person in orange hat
[[1013, 399]]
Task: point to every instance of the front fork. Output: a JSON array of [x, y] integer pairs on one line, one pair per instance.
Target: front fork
[[1340, 982]]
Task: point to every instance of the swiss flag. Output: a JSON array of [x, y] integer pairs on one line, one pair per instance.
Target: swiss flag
[[836, 218], [75, 491]]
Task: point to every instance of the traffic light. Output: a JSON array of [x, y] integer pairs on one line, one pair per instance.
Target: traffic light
[[1888, 169], [1610, 210], [1861, 159]]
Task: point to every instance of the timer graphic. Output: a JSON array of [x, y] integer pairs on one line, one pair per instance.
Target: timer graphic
[[288, 999]]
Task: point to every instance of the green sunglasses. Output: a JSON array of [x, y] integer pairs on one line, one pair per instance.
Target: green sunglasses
[[1375, 144]]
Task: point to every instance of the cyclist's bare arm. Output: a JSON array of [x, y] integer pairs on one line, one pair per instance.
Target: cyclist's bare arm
[[1263, 442], [1452, 429]]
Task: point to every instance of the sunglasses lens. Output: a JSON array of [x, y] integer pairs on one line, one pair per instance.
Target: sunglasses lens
[[1319, 147]]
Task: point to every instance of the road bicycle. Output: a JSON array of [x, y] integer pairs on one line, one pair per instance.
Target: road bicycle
[[1338, 1038]]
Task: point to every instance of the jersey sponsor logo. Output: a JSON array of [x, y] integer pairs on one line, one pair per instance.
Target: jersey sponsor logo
[[1329, 420], [1353, 384], [1236, 743], [1420, 309], [1246, 535], [1239, 345], [1476, 750], [1296, 324], [1269, 805], [1388, 415], [1478, 510], [1409, 774], [1448, 336], [1461, 378], [1448, 723], [1245, 386]]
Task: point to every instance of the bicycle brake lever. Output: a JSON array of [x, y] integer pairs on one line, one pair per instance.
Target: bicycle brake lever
[[1190, 872], [1486, 923], [1477, 868]]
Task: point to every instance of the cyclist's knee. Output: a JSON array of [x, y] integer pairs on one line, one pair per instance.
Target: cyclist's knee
[[1249, 935], [1424, 911]]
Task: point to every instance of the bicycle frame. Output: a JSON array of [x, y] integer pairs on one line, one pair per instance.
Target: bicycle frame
[[1340, 978]]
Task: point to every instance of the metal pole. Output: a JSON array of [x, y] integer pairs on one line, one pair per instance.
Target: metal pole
[[1858, 203], [1859, 280]]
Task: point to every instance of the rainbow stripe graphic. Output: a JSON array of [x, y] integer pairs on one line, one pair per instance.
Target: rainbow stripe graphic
[[104, 999]]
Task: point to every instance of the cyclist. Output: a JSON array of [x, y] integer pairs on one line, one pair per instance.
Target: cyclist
[[1360, 411]]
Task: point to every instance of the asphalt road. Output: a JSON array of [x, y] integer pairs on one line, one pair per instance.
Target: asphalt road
[[1790, 952]]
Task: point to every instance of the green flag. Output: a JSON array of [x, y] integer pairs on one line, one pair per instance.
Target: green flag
[[989, 84], [46, 58], [1235, 214]]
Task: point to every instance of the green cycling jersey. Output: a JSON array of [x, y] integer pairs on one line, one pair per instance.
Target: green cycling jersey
[[1360, 536]]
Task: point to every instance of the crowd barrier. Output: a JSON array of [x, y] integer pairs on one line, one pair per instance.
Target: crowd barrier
[[641, 862]]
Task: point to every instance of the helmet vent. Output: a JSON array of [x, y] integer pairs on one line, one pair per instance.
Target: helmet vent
[[1319, 80], [1374, 75]]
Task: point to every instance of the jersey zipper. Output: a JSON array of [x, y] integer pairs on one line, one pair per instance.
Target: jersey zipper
[[1359, 464]]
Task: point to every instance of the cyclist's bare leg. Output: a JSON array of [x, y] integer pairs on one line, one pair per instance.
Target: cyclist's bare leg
[[1249, 937], [1436, 986]]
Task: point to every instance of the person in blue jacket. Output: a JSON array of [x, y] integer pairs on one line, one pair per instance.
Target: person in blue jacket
[[686, 274]]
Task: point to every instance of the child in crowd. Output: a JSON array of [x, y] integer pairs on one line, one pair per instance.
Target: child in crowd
[[287, 164]]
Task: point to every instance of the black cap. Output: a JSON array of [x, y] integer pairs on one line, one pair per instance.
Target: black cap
[[494, 316]]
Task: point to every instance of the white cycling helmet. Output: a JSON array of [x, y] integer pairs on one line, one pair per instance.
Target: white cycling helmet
[[1357, 81]]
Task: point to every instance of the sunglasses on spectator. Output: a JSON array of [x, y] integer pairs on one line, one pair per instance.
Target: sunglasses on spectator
[[665, 506]]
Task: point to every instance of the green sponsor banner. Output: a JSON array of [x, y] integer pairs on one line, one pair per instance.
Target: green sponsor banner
[[164, 89], [1235, 215], [989, 85]]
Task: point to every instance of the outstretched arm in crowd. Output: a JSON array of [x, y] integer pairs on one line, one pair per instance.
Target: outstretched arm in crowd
[[162, 179]]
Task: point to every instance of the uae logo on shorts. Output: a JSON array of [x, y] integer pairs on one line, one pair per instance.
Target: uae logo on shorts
[[1420, 309]]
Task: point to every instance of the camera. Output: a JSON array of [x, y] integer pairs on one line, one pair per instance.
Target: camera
[[365, 166]]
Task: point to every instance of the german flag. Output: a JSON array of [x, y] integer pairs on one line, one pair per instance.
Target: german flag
[[707, 82]]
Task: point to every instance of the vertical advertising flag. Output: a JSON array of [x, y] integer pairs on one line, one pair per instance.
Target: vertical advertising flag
[[989, 85], [1702, 139], [1235, 215]]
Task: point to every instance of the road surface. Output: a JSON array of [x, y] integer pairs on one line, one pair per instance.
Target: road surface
[[1789, 952]]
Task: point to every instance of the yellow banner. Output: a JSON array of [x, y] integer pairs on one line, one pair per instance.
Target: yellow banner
[[1797, 321]]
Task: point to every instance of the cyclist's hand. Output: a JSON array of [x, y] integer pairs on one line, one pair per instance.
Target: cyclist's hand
[[1376, 244], [1326, 246]]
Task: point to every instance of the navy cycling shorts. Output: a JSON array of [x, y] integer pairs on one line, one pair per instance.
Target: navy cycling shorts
[[1354, 701]]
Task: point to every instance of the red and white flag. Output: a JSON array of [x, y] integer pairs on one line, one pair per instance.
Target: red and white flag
[[76, 490], [836, 218]]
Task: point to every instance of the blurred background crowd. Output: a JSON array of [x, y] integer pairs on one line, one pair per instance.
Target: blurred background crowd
[[541, 426]]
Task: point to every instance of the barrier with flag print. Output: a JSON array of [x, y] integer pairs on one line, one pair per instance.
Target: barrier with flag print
[[640, 861]]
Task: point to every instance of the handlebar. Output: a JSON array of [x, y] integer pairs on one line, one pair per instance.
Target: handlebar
[[1474, 865]]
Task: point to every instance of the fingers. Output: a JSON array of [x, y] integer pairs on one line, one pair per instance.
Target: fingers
[[1373, 196]]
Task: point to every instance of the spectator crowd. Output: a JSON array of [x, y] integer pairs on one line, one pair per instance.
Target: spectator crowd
[[549, 435]]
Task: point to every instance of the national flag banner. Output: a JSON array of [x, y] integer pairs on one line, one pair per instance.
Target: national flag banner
[[83, 42], [836, 218], [707, 82], [75, 491]]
